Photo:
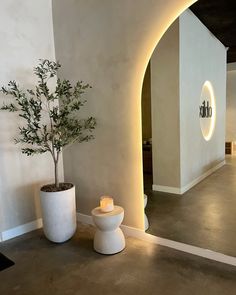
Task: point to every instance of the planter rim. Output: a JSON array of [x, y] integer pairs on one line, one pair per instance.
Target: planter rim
[[57, 192]]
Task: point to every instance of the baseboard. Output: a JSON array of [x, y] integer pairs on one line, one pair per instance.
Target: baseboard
[[128, 231], [201, 177], [87, 219], [21, 229], [166, 189], [201, 252], [142, 235], [183, 189], [132, 232]]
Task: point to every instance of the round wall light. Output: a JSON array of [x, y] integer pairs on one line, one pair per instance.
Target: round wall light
[[207, 110]]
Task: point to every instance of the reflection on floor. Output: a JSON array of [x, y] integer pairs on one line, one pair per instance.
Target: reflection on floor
[[205, 216], [42, 267]]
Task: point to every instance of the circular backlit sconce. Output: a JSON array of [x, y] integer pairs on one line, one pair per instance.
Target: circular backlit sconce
[[207, 110]]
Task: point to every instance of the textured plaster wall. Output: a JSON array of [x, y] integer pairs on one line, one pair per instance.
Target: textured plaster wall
[[165, 109], [202, 57], [109, 43], [186, 56], [26, 34]]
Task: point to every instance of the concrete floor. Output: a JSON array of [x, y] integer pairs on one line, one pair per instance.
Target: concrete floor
[[74, 268], [205, 216]]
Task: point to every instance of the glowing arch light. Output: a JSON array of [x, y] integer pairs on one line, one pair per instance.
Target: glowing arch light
[[207, 110]]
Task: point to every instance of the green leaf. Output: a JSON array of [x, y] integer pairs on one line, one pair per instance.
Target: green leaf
[[52, 118]]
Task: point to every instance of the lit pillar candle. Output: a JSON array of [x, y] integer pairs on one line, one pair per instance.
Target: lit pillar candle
[[106, 204]]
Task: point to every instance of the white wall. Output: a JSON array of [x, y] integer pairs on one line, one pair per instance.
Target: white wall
[[26, 35], [202, 57], [26, 29], [186, 56], [109, 43], [165, 109], [231, 103]]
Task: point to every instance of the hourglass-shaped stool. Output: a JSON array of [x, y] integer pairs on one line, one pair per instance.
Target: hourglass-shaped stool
[[109, 238]]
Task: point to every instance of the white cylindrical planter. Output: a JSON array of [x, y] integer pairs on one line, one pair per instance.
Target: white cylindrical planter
[[58, 214], [146, 223]]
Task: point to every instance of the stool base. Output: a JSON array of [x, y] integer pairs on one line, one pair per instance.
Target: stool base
[[109, 242]]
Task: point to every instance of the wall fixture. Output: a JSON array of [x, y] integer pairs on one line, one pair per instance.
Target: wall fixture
[[207, 110]]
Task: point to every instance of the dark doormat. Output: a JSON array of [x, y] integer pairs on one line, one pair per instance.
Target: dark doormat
[[5, 262]]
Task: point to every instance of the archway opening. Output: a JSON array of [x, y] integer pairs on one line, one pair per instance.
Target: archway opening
[[187, 93]]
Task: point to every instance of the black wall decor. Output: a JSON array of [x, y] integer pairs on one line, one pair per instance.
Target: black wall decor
[[205, 110]]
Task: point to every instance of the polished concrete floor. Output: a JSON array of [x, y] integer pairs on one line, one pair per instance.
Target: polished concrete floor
[[74, 268], [205, 216]]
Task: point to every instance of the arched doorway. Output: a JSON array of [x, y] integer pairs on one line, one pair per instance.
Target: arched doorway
[[210, 201], [113, 162]]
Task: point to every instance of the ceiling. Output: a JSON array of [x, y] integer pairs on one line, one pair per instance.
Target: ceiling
[[219, 16]]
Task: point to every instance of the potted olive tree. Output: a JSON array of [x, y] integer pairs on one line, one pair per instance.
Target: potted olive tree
[[50, 122]]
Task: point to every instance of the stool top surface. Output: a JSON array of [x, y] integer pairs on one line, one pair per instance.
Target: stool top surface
[[97, 211]]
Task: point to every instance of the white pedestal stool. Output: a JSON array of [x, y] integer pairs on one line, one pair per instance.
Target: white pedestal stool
[[109, 238]]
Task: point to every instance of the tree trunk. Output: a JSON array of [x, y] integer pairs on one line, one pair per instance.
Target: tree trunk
[[56, 174]]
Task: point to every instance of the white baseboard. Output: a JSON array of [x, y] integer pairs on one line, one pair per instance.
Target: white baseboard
[[132, 232], [87, 219], [166, 189], [205, 253], [142, 235], [21, 229], [183, 189], [201, 177]]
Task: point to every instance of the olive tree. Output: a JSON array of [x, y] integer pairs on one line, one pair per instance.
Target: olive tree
[[51, 117]]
